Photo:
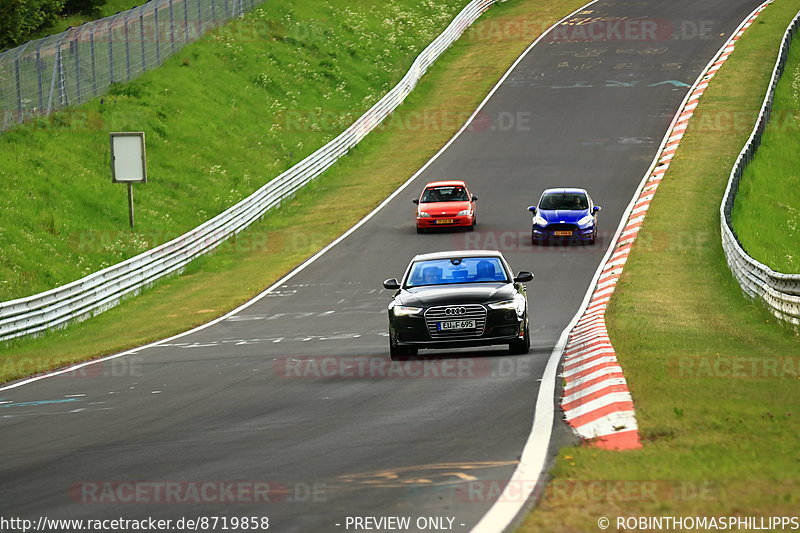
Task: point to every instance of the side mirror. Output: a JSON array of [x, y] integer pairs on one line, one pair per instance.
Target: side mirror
[[532, 209], [523, 276], [595, 209], [415, 201], [392, 284], [474, 198]]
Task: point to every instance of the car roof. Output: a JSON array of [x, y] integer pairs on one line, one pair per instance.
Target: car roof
[[458, 253], [565, 190], [448, 183]]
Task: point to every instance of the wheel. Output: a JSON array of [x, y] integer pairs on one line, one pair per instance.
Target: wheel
[[594, 237], [397, 352], [521, 346], [420, 230], [471, 227]]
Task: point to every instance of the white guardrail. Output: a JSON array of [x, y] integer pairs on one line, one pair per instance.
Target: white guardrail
[[780, 292], [104, 289]]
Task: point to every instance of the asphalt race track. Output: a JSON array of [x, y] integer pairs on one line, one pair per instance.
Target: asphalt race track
[[295, 397]]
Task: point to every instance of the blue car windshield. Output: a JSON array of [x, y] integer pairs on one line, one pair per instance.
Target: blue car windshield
[[456, 270], [564, 201]]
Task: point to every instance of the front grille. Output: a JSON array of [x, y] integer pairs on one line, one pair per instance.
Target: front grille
[[439, 314], [562, 227], [442, 216]]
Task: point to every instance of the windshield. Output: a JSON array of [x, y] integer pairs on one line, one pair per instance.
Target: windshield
[[565, 201], [456, 270], [444, 194]]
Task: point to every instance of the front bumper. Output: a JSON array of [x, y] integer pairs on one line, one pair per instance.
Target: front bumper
[[543, 233], [501, 327], [431, 222]]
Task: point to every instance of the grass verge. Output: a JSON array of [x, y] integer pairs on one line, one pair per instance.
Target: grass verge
[[766, 214], [713, 376], [222, 117], [216, 283]]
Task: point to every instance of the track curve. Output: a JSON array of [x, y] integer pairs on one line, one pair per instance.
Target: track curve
[[296, 390]]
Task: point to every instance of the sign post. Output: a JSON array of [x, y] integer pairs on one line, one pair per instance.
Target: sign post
[[128, 162]]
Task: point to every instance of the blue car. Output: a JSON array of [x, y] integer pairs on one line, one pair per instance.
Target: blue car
[[565, 215]]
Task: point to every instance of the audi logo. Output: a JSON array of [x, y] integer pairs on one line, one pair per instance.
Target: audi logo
[[455, 311]]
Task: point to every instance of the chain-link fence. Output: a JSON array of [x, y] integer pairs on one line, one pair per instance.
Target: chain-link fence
[[74, 66], [102, 290]]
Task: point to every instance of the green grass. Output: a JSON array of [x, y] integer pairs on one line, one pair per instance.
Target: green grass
[[714, 378], [216, 283], [766, 214], [222, 117]]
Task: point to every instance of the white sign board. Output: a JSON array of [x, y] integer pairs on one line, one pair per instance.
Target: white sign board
[[128, 163]]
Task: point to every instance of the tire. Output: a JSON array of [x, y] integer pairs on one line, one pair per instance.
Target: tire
[[397, 352], [420, 230], [521, 346], [591, 240], [471, 227]]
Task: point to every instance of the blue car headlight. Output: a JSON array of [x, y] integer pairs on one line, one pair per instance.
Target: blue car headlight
[[539, 221], [588, 220]]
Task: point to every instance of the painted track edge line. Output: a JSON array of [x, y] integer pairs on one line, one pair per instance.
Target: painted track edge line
[[519, 500], [622, 437], [285, 278], [313, 258]]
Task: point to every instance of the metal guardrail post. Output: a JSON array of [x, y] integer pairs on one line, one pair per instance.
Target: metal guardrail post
[[185, 21], [142, 39], [20, 106], [77, 47], [171, 27], [780, 292], [56, 62], [110, 55], [104, 289], [94, 62], [158, 37], [39, 79], [127, 52]]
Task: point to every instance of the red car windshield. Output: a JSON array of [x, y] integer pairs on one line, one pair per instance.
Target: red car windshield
[[444, 194]]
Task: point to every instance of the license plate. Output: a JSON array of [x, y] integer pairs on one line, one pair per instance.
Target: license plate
[[444, 221], [562, 233], [455, 324]]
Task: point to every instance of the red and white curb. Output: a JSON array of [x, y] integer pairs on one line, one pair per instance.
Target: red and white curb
[[596, 400]]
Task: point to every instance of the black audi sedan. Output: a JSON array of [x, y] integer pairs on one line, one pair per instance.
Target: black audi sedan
[[458, 299]]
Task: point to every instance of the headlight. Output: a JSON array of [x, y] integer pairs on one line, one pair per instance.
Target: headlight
[[504, 305], [404, 310], [464, 213], [517, 304], [588, 219], [423, 214], [539, 221]]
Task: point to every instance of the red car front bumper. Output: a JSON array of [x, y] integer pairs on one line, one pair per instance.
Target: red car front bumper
[[444, 222]]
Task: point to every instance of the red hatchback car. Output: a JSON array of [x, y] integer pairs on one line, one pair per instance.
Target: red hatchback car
[[445, 204]]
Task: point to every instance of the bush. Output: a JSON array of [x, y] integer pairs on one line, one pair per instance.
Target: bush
[[85, 7], [20, 18]]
